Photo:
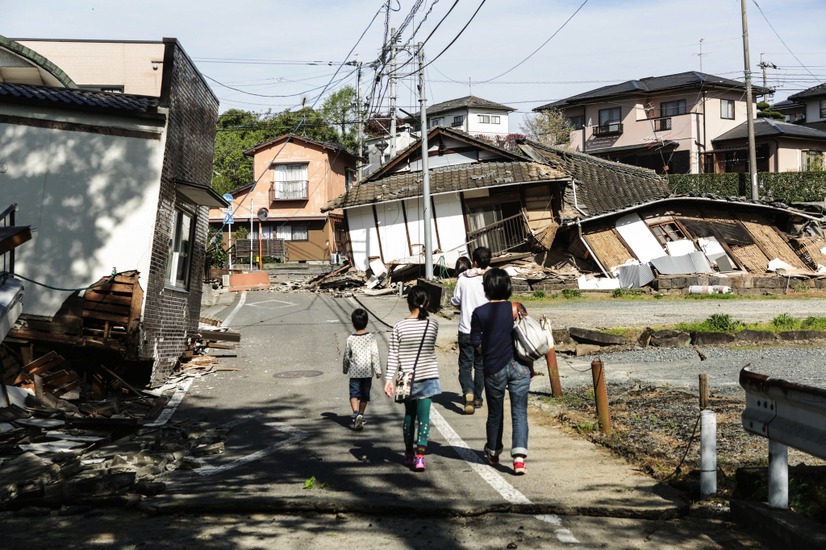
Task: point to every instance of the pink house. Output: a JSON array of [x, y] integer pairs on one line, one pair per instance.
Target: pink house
[[293, 179]]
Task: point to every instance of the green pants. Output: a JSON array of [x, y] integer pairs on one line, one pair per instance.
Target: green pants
[[418, 410]]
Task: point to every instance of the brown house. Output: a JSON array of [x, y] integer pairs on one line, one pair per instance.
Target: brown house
[[294, 178]]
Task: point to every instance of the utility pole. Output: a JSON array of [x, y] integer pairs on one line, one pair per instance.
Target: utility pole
[[749, 107], [428, 245], [765, 65], [359, 127], [392, 93]]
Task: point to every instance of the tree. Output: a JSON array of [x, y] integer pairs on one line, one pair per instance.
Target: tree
[[548, 127], [239, 130], [764, 110], [339, 111]]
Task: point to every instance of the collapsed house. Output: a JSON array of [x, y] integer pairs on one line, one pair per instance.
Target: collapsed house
[[116, 188], [600, 223]]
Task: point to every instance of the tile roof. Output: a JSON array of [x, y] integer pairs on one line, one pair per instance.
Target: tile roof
[[601, 185], [814, 91], [295, 137], [447, 179], [768, 127], [76, 99], [464, 102], [649, 85]]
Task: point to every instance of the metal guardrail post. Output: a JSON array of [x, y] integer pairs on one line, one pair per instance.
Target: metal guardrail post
[[778, 475], [708, 453]]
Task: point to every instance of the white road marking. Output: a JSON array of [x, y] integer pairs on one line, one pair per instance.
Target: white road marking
[[172, 404], [235, 310], [492, 477], [295, 434], [282, 302]]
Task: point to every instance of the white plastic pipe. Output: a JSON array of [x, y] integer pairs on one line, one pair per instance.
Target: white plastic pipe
[[778, 475], [708, 453]]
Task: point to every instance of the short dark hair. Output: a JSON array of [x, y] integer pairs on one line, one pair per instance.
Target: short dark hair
[[462, 265], [359, 318], [418, 297], [482, 256], [497, 284]]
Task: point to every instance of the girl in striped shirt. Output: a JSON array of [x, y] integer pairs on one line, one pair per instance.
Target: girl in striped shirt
[[412, 337]]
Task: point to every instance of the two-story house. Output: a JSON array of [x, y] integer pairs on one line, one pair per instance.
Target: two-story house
[[294, 178], [665, 123], [473, 115]]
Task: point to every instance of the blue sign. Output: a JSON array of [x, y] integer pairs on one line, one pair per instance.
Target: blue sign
[[228, 219], [228, 197]]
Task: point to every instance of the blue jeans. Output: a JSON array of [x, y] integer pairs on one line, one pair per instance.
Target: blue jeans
[[516, 378], [471, 368]]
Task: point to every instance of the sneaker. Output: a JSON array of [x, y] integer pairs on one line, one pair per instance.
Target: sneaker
[[492, 458], [418, 464], [519, 466], [358, 422], [477, 403], [469, 409], [409, 459]]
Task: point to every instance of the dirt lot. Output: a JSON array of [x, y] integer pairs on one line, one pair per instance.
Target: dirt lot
[[657, 428]]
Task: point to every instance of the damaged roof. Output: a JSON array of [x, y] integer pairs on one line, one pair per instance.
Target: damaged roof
[[448, 179], [599, 185]]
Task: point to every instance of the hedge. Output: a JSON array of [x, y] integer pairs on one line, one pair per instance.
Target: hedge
[[785, 186]]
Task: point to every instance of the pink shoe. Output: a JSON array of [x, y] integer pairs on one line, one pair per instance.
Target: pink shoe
[[519, 466], [418, 465]]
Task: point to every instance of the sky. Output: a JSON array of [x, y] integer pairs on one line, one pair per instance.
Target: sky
[[272, 55]]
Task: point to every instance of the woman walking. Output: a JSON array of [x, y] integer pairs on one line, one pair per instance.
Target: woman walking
[[412, 348], [491, 326]]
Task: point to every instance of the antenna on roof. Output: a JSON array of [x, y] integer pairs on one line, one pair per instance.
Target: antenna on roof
[[701, 54]]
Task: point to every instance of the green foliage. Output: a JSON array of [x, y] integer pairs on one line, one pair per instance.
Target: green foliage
[[718, 322], [784, 186], [312, 483], [339, 111], [239, 130], [216, 253], [813, 323], [764, 110], [784, 321], [569, 293], [539, 294], [626, 292]]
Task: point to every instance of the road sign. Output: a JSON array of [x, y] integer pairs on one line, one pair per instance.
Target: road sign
[[228, 219], [228, 197]]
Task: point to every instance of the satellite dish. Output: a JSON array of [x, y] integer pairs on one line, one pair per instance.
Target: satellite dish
[[262, 214]]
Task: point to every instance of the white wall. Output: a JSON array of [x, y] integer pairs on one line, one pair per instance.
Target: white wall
[[91, 200]]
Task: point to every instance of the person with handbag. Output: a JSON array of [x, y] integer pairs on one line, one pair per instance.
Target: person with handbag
[[491, 332], [412, 374]]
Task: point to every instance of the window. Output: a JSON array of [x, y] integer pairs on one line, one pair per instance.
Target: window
[[494, 119], [823, 108], [609, 122], [484, 119], [435, 122], [811, 160], [577, 122], [293, 232], [180, 247], [662, 124], [672, 108], [290, 182], [667, 232], [458, 120], [727, 109]]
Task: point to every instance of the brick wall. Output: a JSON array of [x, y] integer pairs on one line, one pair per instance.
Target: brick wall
[[171, 315]]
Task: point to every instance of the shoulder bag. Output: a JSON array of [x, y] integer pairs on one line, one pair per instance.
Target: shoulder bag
[[404, 380], [529, 337]]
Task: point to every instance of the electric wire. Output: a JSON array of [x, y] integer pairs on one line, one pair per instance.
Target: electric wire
[[781, 40]]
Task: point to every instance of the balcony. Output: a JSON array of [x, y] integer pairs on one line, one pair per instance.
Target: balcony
[[662, 124], [501, 236], [295, 190], [610, 129]]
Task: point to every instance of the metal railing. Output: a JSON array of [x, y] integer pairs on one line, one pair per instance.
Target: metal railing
[[788, 415], [501, 236], [609, 129], [7, 220]]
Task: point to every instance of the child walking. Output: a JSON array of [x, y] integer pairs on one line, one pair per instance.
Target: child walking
[[361, 362]]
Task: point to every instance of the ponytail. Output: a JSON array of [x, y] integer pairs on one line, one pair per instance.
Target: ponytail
[[418, 297]]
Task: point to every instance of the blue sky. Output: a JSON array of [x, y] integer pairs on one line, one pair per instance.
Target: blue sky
[[266, 49]]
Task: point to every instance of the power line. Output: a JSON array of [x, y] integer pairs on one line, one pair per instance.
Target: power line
[[778, 37]]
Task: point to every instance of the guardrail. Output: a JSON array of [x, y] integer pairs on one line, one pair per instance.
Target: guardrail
[[788, 415]]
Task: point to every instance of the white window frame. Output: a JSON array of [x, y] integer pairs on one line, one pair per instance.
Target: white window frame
[[295, 188], [494, 119], [293, 232], [726, 108], [484, 119], [179, 254]]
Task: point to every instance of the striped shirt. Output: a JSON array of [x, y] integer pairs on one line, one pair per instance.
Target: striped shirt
[[403, 346]]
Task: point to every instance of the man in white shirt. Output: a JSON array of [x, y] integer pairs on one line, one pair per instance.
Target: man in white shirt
[[468, 295]]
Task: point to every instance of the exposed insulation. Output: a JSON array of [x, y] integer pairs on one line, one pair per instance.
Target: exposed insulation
[[772, 243], [608, 248], [750, 257], [809, 248]]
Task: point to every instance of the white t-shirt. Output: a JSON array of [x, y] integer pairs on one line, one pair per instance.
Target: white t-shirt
[[468, 295]]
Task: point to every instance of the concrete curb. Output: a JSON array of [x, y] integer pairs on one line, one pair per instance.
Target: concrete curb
[[783, 528]]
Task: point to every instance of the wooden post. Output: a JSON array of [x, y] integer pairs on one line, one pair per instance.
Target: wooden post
[[703, 392], [550, 358], [601, 396]]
